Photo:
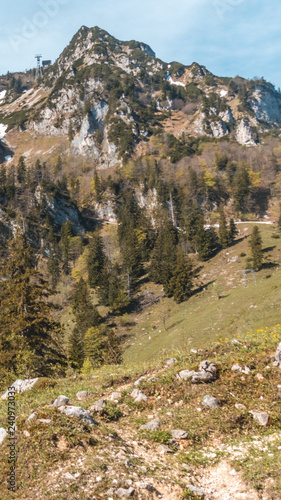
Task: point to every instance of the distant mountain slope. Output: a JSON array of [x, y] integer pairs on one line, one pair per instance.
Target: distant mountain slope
[[107, 96]]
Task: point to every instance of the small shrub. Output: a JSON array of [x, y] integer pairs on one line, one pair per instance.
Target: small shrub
[[242, 254]]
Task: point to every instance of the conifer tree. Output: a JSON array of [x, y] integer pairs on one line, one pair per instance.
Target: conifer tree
[[118, 299], [21, 171], [241, 188], [66, 234], [163, 256], [29, 336], [180, 285], [223, 231], [96, 262], [233, 231], [206, 242], [53, 263], [94, 346], [255, 244], [86, 314], [75, 349]]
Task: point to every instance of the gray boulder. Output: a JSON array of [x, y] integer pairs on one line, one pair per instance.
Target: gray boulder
[[179, 434], [61, 401], [196, 491], [137, 382], [82, 395], [210, 401], [144, 486], [261, 417], [138, 396], [76, 411], [3, 434], [207, 372], [277, 356], [125, 492], [239, 368], [31, 417], [171, 361], [21, 385], [153, 425], [115, 396], [162, 448], [239, 406], [99, 406]]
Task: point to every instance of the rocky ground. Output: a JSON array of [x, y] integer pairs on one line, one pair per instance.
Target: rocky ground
[[204, 424]]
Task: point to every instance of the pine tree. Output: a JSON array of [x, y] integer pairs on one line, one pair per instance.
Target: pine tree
[[241, 189], [206, 242], [118, 299], [180, 285], [96, 262], [163, 256], [21, 171], [75, 349], [29, 336], [223, 232], [53, 263], [66, 234], [94, 346], [233, 231], [255, 244], [86, 314]]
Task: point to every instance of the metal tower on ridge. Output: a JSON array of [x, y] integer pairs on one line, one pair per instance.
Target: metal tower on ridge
[[38, 71]]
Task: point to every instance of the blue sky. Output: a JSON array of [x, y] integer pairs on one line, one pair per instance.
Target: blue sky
[[229, 37]]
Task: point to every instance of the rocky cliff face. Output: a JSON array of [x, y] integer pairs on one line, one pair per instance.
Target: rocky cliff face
[[107, 96]]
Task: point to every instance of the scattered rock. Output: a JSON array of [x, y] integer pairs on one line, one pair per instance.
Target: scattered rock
[[61, 401], [206, 373], [99, 406], [196, 491], [239, 406], [210, 401], [153, 425], [76, 411], [26, 433], [115, 396], [144, 486], [260, 377], [239, 368], [152, 379], [162, 448], [277, 356], [44, 420], [138, 396], [194, 351], [82, 395], [179, 434], [122, 492], [137, 382], [21, 386], [31, 417], [110, 491], [261, 417], [170, 361], [69, 477], [3, 434]]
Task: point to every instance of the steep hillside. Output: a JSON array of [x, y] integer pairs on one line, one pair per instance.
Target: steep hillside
[[204, 424], [107, 96]]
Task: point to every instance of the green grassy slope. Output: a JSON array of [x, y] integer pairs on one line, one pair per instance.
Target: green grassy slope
[[204, 318]]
